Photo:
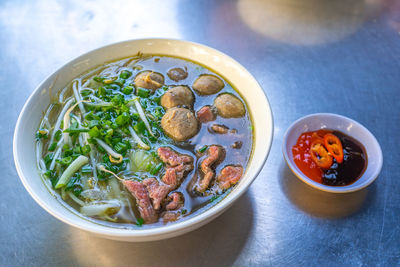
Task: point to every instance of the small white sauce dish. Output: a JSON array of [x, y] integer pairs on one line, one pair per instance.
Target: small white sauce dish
[[348, 126]]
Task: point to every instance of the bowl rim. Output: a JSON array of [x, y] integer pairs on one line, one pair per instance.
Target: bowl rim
[[155, 233], [327, 188]]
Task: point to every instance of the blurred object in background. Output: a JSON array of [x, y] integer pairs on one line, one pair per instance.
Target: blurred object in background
[[306, 22]]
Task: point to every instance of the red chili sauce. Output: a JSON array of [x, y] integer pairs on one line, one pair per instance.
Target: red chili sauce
[[352, 166]]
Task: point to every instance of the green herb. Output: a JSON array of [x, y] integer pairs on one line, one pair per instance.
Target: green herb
[[85, 149], [135, 116], [120, 147], [140, 222], [85, 92], [143, 92], [73, 130], [125, 74], [66, 161], [156, 168], [184, 211], [203, 149], [214, 198], [127, 90], [52, 147], [94, 123], [58, 135], [101, 91], [120, 82], [42, 134], [75, 185], [52, 176], [140, 127], [94, 132], [99, 79], [122, 119], [86, 169], [48, 158]]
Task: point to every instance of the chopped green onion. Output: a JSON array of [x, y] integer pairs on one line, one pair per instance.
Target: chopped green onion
[[143, 92], [52, 147], [101, 91], [94, 132], [86, 169], [99, 79], [86, 149], [48, 158], [66, 161], [140, 127], [58, 134], [142, 115], [203, 149], [122, 119], [120, 82], [93, 123], [140, 222], [156, 168], [73, 130], [85, 92], [127, 90], [69, 172], [120, 147], [125, 74], [42, 134], [135, 116]]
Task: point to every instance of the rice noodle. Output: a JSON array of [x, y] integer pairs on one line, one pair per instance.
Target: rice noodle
[[60, 118], [77, 95], [137, 139], [110, 151], [39, 161], [74, 198], [56, 155], [142, 115]]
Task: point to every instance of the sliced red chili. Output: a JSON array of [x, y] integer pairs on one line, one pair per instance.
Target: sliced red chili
[[334, 146], [320, 155]]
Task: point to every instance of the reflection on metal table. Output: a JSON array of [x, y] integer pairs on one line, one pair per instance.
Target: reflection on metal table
[[308, 55]]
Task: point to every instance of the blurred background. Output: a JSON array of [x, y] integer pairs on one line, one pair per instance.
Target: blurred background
[[308, 55]]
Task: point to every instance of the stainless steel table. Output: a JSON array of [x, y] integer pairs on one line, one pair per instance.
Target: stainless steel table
[[309, 56]]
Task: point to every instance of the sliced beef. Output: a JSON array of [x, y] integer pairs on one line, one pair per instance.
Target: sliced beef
[[140, 193], [215, 154], [170, 216], [229, 176], [176, 201], [205, 114], [173, 158], [157, 191], [177, 165]]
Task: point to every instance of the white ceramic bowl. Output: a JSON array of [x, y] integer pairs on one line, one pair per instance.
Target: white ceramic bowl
[[236, 74], [348, 126]]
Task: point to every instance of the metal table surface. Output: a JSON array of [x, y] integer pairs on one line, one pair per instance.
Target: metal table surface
[[309, 56]]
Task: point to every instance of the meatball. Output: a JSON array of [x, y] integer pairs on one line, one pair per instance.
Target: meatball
[[149, 80], [208, 84], [177, 74], [229, 106], [177, 96], [179, 123]]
